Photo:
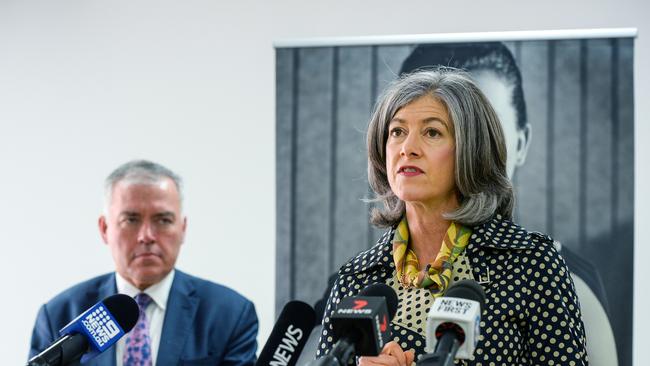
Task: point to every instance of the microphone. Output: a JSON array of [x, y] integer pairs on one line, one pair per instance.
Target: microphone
[[91, 333], [361, 324], [453, 324], [289, 335]]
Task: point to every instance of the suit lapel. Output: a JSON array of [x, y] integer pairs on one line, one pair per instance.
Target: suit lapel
[[179, 316]]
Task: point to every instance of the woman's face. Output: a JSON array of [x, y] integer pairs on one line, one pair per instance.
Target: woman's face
[[420, 154]]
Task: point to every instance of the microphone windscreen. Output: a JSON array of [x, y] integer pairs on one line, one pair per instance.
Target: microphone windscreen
[[385, 291], [124, 309], [469, 290], [289, 335]]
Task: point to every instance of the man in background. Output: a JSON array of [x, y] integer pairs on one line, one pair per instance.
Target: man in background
[[183, 319]]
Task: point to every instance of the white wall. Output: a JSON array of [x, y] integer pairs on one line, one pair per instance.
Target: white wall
[[86, 85]]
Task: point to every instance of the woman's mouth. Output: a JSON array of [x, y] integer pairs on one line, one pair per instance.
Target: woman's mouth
[[410, 171]]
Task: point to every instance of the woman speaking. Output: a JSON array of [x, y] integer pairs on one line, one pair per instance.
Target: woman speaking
[[437, 162]]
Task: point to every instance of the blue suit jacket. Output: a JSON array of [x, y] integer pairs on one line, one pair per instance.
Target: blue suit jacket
[[205, 323]]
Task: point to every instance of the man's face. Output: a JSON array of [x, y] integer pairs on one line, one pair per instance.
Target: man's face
[[144, 230], [499, 92]]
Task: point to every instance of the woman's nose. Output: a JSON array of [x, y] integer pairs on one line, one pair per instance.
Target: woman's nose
[[411, 146]]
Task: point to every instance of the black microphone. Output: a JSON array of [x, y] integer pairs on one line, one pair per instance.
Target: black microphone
[[453, 324], [289, 335], [361, 324], [91, 333]]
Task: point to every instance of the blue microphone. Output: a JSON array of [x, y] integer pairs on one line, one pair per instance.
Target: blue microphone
[[91, 333]]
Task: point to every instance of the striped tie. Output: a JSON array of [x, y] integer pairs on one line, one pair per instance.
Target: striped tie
[[138, 343]]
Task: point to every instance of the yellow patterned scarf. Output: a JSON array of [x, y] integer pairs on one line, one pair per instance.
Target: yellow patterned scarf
[[437, 275]]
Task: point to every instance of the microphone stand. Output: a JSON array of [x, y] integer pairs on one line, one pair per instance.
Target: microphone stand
[[60, 352], [340, 354], [444, 354]]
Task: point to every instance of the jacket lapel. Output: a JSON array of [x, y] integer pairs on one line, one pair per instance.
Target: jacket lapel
[[179, 316], [488, 238]]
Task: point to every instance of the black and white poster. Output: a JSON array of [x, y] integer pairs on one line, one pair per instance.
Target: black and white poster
[[566, 106]]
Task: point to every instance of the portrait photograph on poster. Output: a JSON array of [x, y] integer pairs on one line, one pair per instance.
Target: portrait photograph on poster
[[566, 109]]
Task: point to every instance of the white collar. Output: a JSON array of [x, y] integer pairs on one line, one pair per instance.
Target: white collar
[[159, 292]]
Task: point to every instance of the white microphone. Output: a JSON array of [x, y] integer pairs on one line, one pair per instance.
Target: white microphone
[[453, 324]]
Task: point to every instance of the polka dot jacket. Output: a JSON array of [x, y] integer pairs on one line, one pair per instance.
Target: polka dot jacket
[[531, 315]]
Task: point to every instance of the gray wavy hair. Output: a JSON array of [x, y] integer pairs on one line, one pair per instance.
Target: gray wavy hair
[[481, 179]]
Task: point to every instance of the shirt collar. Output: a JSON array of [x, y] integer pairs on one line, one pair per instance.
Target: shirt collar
[[159, 292], [489, 234]]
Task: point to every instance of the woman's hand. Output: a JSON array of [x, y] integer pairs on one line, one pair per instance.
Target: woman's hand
[[391, 355]]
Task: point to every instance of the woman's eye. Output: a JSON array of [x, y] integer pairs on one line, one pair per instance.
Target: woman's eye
[[396, 132], [431, 132]]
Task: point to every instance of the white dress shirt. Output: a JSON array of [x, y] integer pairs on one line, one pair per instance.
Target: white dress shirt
[[155, 311]]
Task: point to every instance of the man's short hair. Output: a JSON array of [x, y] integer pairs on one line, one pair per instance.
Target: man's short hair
[[143, 172]]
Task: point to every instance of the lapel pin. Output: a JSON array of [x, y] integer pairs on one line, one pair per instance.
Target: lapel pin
[[484, 278]]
